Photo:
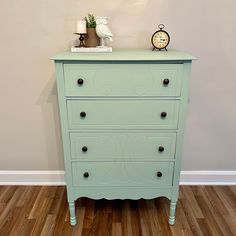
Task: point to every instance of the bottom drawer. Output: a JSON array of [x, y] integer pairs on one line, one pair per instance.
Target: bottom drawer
[[122, 173]]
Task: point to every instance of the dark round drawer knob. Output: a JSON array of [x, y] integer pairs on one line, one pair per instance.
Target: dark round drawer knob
[[166, 81], [161, 149], [159, 174], [86, 174], [80, 81], [82, 114], [163, 114], [84, 149]]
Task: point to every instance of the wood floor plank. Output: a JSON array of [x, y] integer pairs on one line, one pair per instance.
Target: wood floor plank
[[10, 221], [153, 216], [227, 199], [44, 195], [8, 192], [37, 210], [218, 211], [116, 211], [77, 230], [25, 228], [26, 203], [57, 200], [126, 220], [61, 215], [144, 218], [233, 189], [2, 190], [204, 227], [89, 217], [192, 221], [162, 210], [21, 201], [231, 223], [181, 223], [104, 224], [41, 216], [134, 216], [48, 226], [216, 203], [189, 195], [210, 219], [116, 229], [10, 207]]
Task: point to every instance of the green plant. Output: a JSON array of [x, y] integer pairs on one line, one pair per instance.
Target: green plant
[[90, 21]]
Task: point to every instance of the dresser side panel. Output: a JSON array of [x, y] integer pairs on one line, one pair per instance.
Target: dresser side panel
[[181, 125], [64, 126]]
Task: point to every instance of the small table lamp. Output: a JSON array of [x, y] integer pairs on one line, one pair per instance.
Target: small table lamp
[[81, 30]]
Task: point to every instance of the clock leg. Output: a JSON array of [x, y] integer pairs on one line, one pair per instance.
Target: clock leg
[[72, 213], [172, 213]]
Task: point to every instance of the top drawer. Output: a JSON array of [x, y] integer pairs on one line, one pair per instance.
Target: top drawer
[[128, 80]]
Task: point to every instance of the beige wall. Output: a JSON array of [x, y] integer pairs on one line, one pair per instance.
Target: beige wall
[[33, 31]]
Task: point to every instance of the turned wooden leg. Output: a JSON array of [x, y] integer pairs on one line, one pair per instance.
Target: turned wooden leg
[[72, 213], [172, 213]]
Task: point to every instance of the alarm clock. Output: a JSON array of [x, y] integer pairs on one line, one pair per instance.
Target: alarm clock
[[160, 39]]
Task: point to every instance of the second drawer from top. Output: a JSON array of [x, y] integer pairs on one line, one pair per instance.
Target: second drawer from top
[[123, 114]]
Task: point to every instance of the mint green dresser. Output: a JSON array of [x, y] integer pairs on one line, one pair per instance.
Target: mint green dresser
[[122, 119]]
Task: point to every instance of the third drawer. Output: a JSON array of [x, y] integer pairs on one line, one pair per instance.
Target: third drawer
[[128, 146]]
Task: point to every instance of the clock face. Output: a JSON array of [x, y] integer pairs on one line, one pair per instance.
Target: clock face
[[160, 39]]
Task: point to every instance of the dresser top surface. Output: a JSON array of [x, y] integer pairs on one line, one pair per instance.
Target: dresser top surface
[[126, 55]]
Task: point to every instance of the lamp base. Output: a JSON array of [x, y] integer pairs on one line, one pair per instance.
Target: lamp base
[[81, 40]]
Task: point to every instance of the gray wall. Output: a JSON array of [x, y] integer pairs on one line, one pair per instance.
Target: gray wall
[[33, 31]]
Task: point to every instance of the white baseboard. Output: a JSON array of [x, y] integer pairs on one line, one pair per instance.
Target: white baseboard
[[32, 177], [58, 178], [208, 178]]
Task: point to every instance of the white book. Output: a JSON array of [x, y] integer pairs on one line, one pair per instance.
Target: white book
[[91, 49]]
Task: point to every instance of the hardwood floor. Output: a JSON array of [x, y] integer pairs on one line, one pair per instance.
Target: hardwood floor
[[36, 210]]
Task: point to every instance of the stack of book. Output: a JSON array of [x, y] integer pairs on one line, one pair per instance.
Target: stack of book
[[91, 49]]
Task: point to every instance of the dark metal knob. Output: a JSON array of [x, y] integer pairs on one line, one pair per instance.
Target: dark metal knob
[[161, 149], [82, 114], [159, 174], [80, 81], [163, 114], [86, 174], [84, 149], [166, 81]]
